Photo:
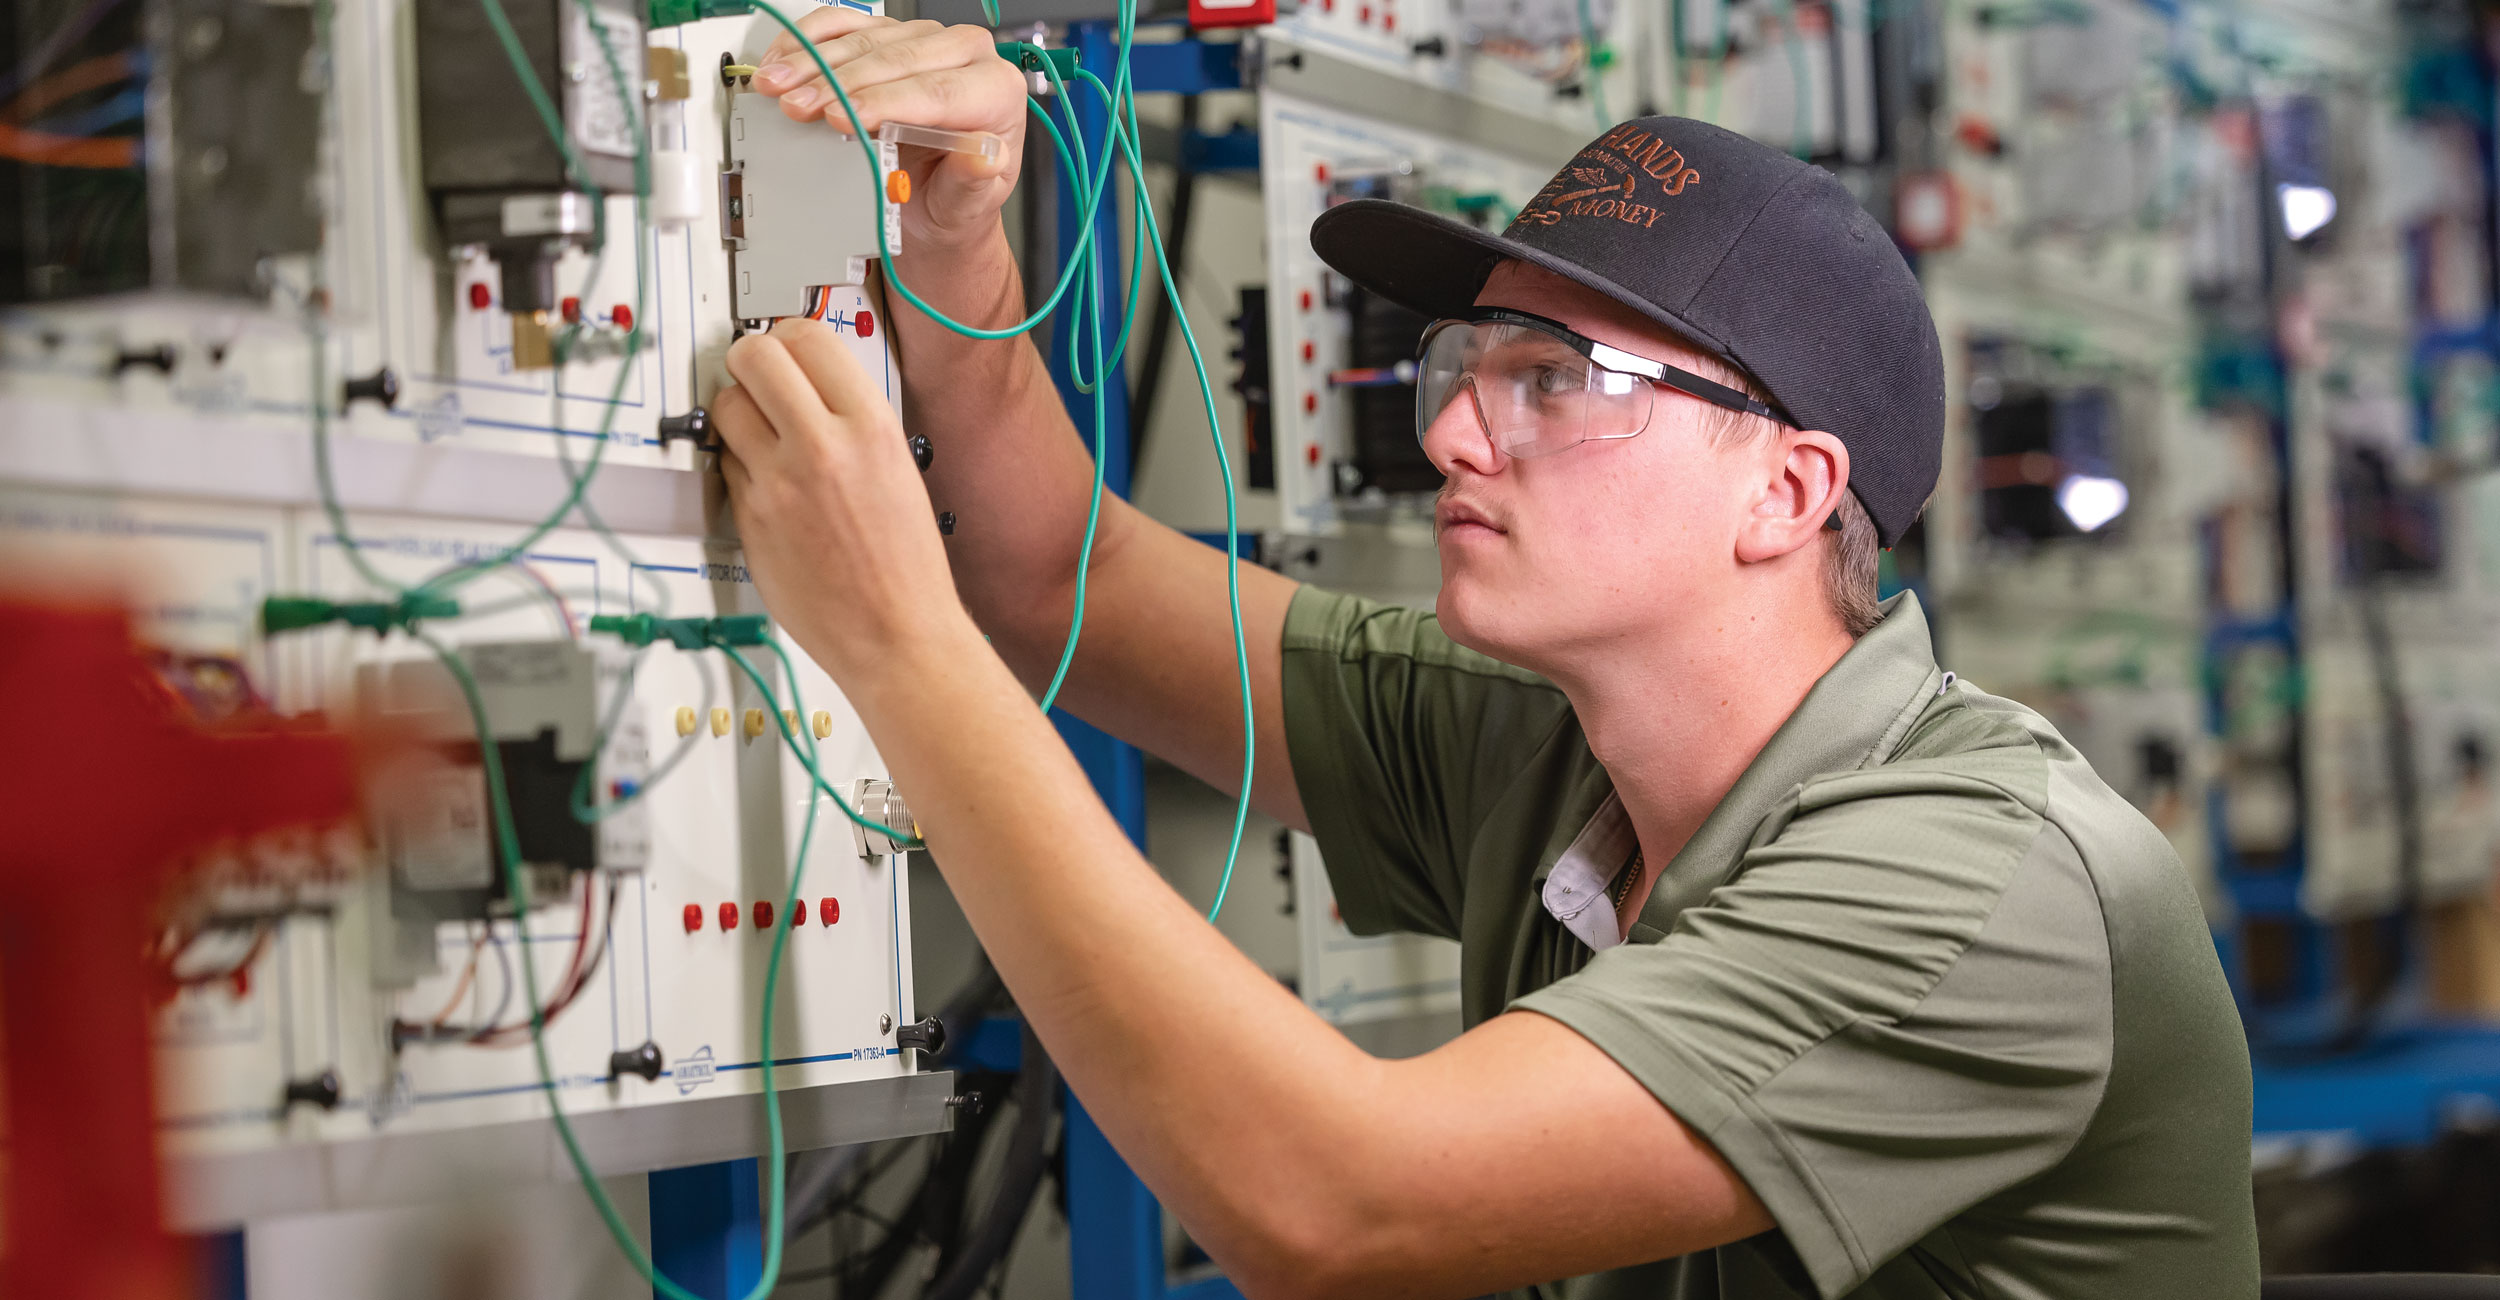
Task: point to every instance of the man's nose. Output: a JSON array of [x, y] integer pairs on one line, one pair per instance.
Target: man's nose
[[1458, 437]]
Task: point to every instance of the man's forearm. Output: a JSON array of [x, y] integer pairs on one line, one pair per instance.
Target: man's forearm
[[1009, 463], [1229, 1096]]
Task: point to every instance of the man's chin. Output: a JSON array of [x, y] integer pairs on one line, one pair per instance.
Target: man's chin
[[1477, 619]]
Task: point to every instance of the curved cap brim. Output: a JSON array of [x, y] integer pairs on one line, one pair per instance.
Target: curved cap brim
[[1432, 264]]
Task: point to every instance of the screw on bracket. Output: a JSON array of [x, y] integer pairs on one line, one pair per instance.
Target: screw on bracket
[[644, 1060], [946, 523], [381, 387], [923, 452], [320, 1090]]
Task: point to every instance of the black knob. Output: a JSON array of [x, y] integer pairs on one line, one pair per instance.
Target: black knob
[[159, 358], [946, 523], [1572, 90], [926, 1035], [1431, 47], [923, 453], [694, 426], [381, 388], [644, 1060], [319, 1090]]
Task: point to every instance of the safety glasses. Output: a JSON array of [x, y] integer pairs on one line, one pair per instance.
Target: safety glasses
[[1538, 388]]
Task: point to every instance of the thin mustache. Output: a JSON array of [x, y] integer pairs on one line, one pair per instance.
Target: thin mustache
[[1449, 496]]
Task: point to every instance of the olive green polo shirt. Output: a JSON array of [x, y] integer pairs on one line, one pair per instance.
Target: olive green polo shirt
[[1944, 1000]]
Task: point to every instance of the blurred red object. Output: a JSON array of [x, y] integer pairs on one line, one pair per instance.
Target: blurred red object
[[107, 786], [1231, 13]]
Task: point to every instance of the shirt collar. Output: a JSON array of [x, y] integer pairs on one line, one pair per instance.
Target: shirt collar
[[1855, 714]]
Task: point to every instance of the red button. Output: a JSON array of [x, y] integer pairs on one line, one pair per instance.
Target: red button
[[867, 324], [763, 914], [1310, 405], [1311, 453], [1306, 300], [694, 917], [1309, 351], [728, 917], [621, 316], [1319, 171], [798, 915], [1367, 13], [572, 308], [828, 910], [481, 297], [1389, 21]]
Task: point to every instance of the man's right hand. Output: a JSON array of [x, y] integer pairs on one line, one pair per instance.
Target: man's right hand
[[926, 74]]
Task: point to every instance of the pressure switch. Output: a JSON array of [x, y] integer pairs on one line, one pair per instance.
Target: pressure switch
[[494, 176]]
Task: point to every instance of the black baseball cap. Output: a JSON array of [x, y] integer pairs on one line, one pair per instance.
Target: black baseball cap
[[1764, 261]]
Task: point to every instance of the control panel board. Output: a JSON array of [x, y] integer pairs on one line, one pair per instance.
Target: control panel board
[[394, 406]]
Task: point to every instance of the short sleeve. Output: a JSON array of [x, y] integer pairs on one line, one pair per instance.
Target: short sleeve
[[1400, 738], [1898, 1006]]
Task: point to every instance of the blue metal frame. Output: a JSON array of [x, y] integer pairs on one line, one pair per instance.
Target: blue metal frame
[[707, 1228], [2409, 1083], [223, 1272]]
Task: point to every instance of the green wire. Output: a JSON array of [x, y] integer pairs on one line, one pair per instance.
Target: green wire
[[1597, 80], [909, 838], [1801, 130], [1149, 234], [1124, 140]]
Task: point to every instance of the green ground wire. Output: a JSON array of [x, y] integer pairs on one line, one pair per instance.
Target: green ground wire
[[1118, 351], [1149, 234], [1801, 112], [907, 837], [1597, 80], [1074, 159], [587, 808], [1718, 63]]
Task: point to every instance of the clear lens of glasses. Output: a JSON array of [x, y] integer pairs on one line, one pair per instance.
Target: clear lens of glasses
[[1532, 393]]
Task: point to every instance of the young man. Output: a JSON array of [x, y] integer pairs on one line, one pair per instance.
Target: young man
[[1793, 967]]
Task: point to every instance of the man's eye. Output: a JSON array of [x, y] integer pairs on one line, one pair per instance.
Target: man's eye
[[1553, 380]]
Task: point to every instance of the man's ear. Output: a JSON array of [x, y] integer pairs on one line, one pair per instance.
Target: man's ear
[[1803, 473]]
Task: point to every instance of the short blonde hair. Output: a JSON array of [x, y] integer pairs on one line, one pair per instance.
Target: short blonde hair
[[1852, 557]]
